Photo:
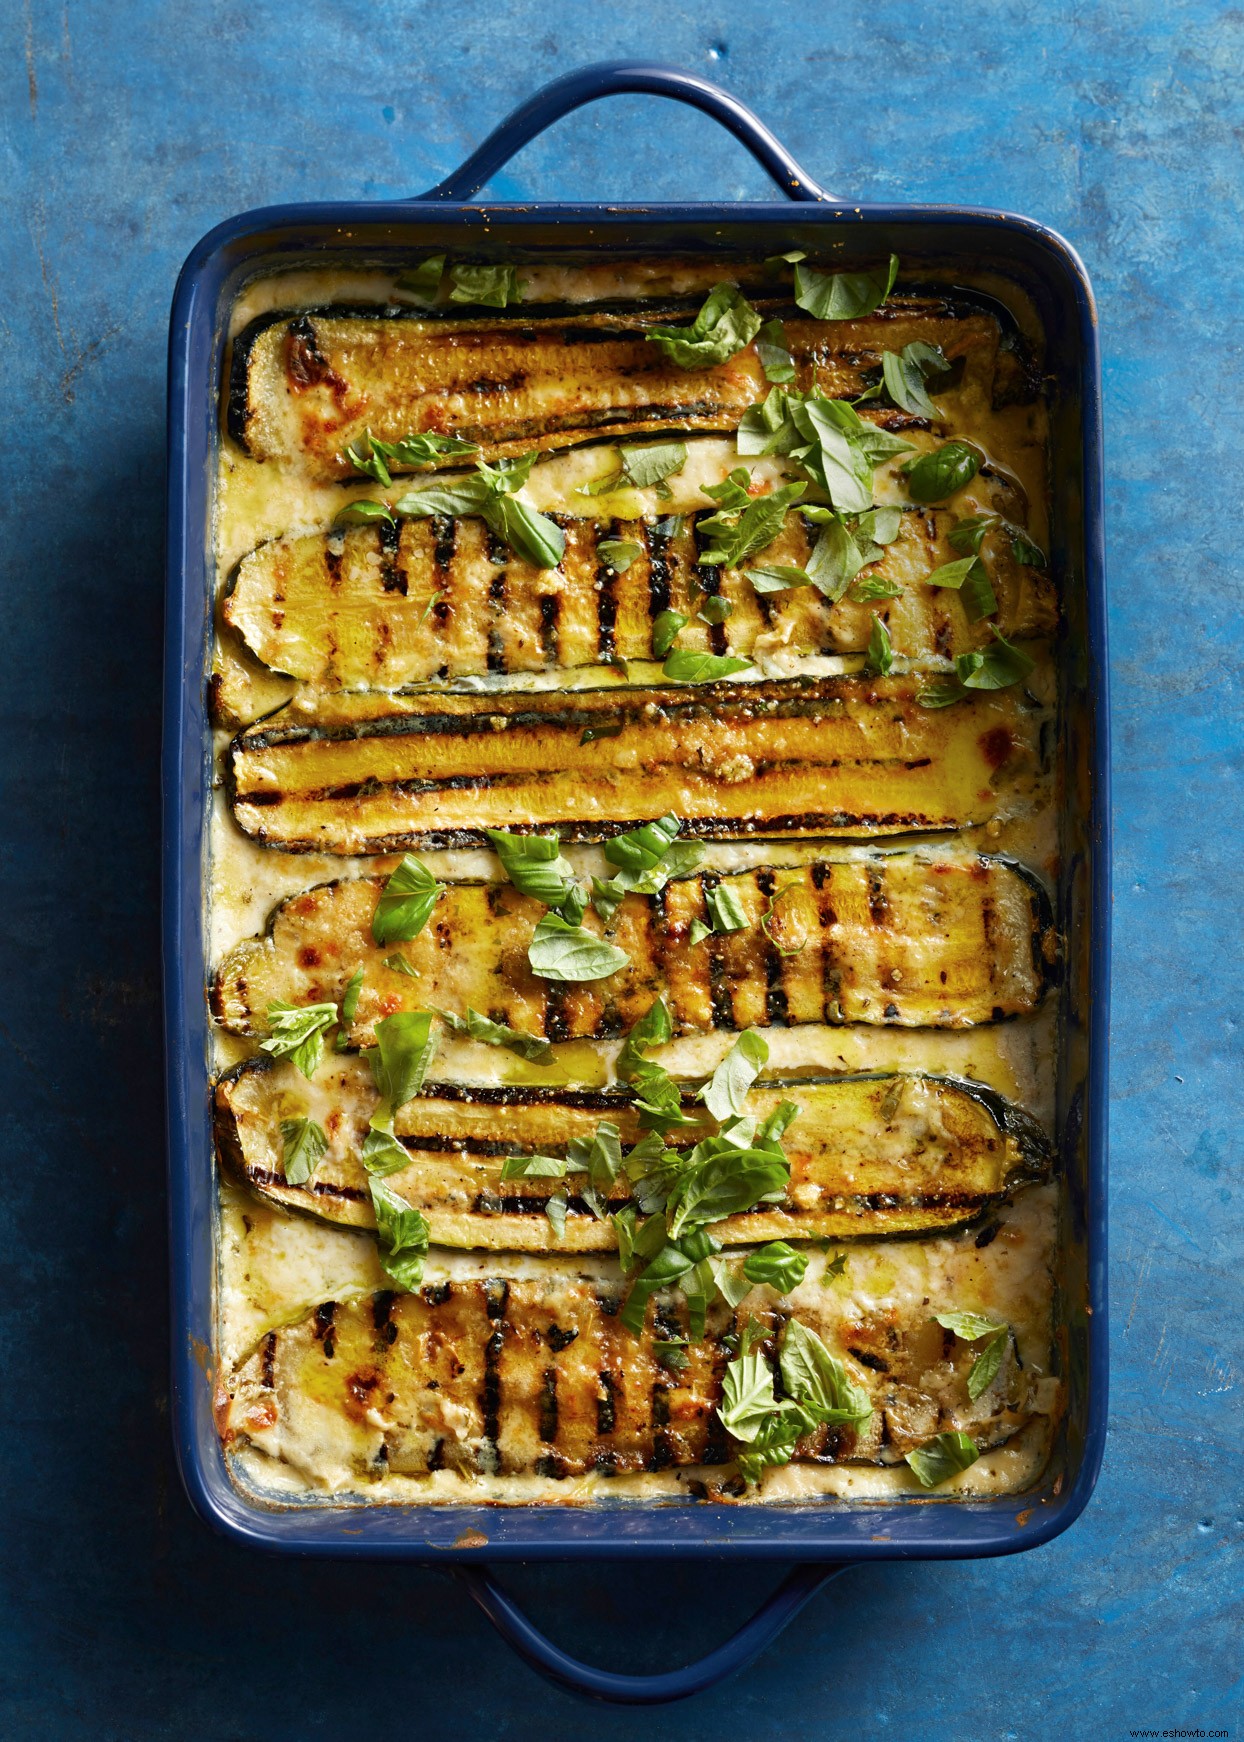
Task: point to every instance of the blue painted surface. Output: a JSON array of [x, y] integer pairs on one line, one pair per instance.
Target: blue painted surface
[[122, 144]]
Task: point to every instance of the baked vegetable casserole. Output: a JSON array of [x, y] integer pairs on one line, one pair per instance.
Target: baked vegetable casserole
[[634, 847]]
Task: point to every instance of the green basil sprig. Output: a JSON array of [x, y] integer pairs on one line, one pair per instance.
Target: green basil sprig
[[491, 493], [297, 1032], [725, 325], [303, 1147], [414, 452], [971, 1328], [647, 858], [837, 448], [843, 296], [942, 1457], [744, 523], [819, 1392], [939, 473], [402, 1235]]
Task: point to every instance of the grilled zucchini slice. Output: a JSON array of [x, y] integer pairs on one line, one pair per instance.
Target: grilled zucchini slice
[[869, 1155], [380, 608], [911, 939], [837, 755], [538, 1377], [303, 386]]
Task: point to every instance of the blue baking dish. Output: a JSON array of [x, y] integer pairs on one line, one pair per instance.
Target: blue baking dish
[[824, 1539]]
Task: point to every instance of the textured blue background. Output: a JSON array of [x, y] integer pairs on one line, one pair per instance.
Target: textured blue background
[[128, 129]]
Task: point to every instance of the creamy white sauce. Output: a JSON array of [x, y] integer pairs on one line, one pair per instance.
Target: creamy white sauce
[[274, 1265]]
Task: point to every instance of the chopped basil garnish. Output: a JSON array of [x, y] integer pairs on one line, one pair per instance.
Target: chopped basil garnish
[[619, 553], [835, 1266], [837, 448], [942, 1457], [715, 609], [739, 528], [406, 903], [561, 951], [690, 667], [725, 324], [364, 512], [672, 1353], [775, 357], [697, 931], [776, 1264], [730, 1084], [818, 1388], [643, 466], [555, 1209], [724, 908], [880, 651], [486, 286], [399, 1061], [350, 1002], [875, 587], [905, 373], [534, 1167], [417, 451], [654, 1028], [937, 475], [664, 631], [971, 1327], [648, 857], [397, 964], [843, 296], [491, 493], [775, 262], [297, 1032], [534, 865], [423, 282], [1025, 551], [303, 1147], [402, 1235], [995, 667], [968, 532], [970, 579], [489, 1033]]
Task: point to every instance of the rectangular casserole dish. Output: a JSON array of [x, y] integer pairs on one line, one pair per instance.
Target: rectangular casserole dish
[[945, 241]]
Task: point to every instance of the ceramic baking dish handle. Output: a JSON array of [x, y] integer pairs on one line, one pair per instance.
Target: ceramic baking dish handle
[[611, 79], [646, 1690]]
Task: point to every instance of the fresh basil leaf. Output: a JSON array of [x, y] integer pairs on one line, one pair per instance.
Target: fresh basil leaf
[[670, 527], [382, 1154], [402, 1234], [778, 578], [880, 651], [952, 574], [405, 1045], [654, 1028], [530, 535], [724, 908], [747, 1396], [406, 903], [941, 695], [1025, 551], [725, 324], [534, 1167], [691, 667], [775, 1443], [561, 951], [363, 512], [734, 533], [774, 353], [424, 281], [875, 587], [970, 579], [715, 609], [835, 561], [350, 1002], [942, 1457], [769, 1133], [665, 629], [303, 1147], [658, 1098], [728, 1087], [423, 449], [624, 1221], [995, 667], [646, 464], [968, 533], [489, 1033], [905, 373], [776, 1264], [843, 296], [672, 1353], [697, 931], [835, 1266], [820, 1380], [644, 848], [775, 262], [555, 1209], [619, 553], [465, 496], [938, 474], [669, 1264], [485, 286], [880, 525], [297, 1032], [729, 1281], [590, 734], [985, 1367], [534, 865], [368, 459], [397, 964]]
